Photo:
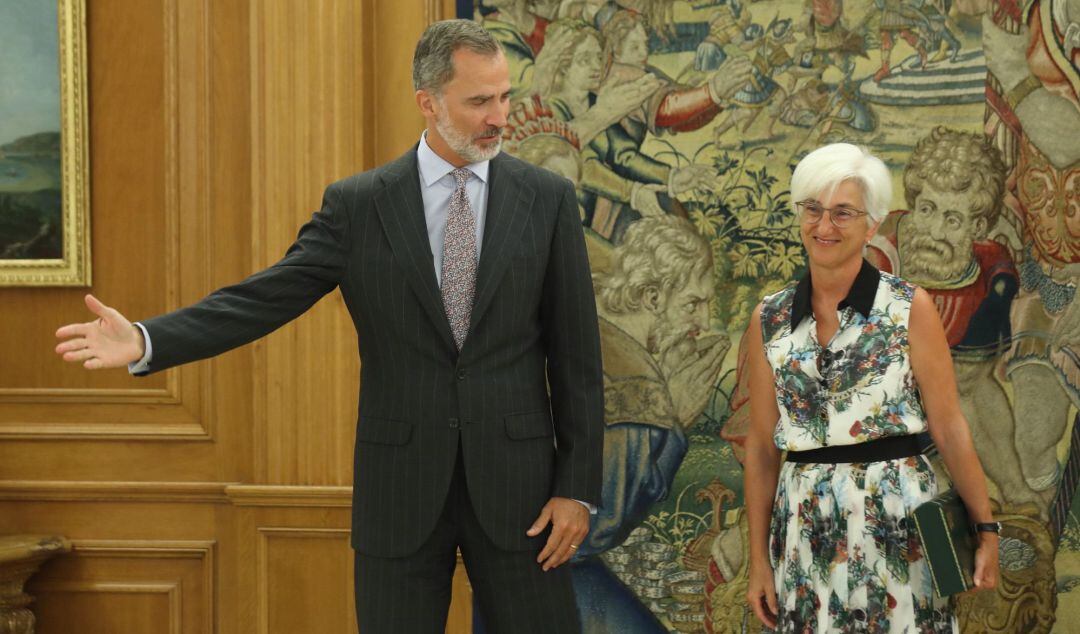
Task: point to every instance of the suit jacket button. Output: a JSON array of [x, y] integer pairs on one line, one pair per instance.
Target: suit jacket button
[[461, 374], [454, 423]]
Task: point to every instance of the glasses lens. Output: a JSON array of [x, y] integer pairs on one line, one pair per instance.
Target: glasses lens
[[841, 217], [811, 211]]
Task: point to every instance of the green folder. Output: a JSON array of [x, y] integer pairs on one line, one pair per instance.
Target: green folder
[[947, 542]]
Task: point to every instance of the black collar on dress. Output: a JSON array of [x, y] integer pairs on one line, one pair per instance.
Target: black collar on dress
[[860, 296]]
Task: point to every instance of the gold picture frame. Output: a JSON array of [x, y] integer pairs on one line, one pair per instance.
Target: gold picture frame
[[72, 268]]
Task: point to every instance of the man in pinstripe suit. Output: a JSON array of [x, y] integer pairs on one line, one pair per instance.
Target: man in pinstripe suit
[[481, 413]]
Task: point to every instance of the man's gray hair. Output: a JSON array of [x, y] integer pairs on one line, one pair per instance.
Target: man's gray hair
[[657, 252], [433, 65]]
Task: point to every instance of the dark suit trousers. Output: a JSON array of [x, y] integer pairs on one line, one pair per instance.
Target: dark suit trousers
[[411, 594]]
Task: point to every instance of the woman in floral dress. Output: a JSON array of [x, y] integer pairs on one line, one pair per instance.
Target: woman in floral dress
[[848, 367]]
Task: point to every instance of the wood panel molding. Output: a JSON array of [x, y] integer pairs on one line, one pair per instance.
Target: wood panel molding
[[84, 491], [289, 496], [178, 411], [150, 548], [242, 495]]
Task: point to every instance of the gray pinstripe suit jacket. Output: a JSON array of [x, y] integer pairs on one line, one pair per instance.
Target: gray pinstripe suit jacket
[[524, 397]]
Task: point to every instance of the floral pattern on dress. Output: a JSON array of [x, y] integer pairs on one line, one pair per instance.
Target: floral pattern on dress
[[844, 549], [867, 392]]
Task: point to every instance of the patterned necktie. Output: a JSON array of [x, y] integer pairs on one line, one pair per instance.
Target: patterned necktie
[[459, 260]]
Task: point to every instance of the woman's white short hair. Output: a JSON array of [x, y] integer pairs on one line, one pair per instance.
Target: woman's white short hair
[[822, 171]]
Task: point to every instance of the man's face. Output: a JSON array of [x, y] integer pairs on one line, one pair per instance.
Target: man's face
[[470, 113], [586, 66], [935, 240], [682, 318]]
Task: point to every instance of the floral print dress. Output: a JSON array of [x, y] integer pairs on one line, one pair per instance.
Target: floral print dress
[[845, 552]]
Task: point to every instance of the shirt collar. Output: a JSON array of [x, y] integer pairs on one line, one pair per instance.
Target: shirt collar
[[860, 296], [434, 167]]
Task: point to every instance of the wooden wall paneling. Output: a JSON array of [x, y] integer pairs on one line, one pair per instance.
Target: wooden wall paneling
[[228, 183], [397, 121], [131, 543], [135, 586], [305, 580], [148, 73], [30, 313], [309, 93], [290, 542]]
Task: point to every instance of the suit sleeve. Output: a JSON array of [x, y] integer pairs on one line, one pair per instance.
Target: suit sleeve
[[238, 314], [572, 344]]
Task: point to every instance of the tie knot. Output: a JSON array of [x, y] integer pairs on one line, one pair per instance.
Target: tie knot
[[461, 175]]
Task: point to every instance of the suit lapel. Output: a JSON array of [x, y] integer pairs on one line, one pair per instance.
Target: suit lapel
[[401, 211], [508, 208]]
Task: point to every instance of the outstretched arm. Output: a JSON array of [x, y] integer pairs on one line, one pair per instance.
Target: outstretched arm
[[230, 316]]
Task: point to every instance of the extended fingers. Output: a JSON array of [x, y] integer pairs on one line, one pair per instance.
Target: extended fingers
[[76, 356], [73, 330], [554, 541], [71, 345], [562, 543]]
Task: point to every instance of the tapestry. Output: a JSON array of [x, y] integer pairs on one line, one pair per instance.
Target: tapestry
[[680, 122]]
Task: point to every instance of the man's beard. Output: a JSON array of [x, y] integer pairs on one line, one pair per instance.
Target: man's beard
[[671, 344], [464, 145], [923, 257]]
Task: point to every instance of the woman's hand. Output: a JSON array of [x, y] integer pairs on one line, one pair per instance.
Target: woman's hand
[[986, 562], [761, 594]]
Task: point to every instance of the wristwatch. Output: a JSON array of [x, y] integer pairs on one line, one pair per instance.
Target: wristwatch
[[987, 527]]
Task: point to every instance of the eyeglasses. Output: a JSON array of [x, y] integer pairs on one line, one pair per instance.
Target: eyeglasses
[[841, 217]]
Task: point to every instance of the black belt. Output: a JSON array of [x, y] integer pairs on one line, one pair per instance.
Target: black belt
[[888, 448]]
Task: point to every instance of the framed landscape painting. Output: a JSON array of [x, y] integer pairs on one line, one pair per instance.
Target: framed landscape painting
[[44, 170]]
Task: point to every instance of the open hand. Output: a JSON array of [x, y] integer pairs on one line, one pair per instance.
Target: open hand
[[693, 383], [730, 77], [110, 341]]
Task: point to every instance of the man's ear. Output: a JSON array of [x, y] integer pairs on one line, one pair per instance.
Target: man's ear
[[425, 101], [650, 297], [981, 228]]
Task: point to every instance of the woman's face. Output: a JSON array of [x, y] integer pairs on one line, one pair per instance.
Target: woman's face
[[586, 66], [829, 246], [634, 49]]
